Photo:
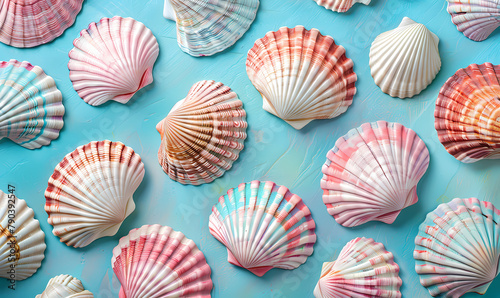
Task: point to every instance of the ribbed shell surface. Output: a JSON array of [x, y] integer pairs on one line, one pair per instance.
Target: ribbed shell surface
[[65, 286], [340, 5], [476, 19]]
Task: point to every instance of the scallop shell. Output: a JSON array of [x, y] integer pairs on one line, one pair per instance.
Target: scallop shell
[[405, 60], [458, 248], [28, 23], [22, 242], [301, 75], [467, 113], [340, 5], [203, 134], [155, 261], [476, 19], [65, 286], [31, 109], [90, 193], [112, 60], [372, 173], [363, 269], [206, 27], [263, 226]]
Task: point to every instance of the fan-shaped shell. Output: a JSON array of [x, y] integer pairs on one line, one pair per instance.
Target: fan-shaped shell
[[22, 242], [467, 115], [405, 60], [263, 226], [363, 269], [458, 248], [90, 192], [476, 19], [29, 23], [112, 60], [155, 261], [372, 173], [31, 109], [206, 27], [203, 134], [65, 286], [301, 75], [340, 5]]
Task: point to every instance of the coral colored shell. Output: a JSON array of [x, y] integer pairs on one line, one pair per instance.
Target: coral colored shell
[[90, 193], [467, 114], [458, 248], [263, 226], [29, 23], [203, 134], [476, 19], [206, 27], [155, 261], [65, 286], [112, 60], [372, 173], [22, 242], [363, 269], [405, 60], [340, 5], [31, 109], [301, 75]]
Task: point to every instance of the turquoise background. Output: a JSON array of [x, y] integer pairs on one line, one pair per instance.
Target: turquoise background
[[273, 151]]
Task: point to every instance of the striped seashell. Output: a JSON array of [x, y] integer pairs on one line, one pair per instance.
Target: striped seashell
[[301, 75], [363, 269], [22, 242], [203, 134], [31, 109], [206, 27], [112, 60], [340, 5], [372, 173], [476, 19], [263, 226], [467, 114], [155, 261], [29, 23], [457, 249], [90, 193], [65, 286], [405, 60]]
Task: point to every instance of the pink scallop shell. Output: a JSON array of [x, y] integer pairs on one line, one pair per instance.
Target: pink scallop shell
[[155, 261], [29, 23], [340, 5], [467, 114], [372, 173], [476, 19], [112, 60]]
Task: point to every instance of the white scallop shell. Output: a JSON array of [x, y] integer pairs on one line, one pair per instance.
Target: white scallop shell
[[89, 194], [363, 269], [372, 173], [22, 242], [263, 226], [65, 286], [405, 60], [112, 60], [206, 27], [31, 109], [156, 261], [340, 5]]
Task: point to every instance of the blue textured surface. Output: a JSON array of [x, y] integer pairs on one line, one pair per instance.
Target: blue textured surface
[[273, 150]]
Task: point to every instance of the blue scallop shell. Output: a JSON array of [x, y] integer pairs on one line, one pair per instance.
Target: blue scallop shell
[[31, 109]]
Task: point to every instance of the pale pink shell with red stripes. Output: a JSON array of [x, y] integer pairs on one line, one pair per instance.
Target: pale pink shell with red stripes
[[155, 261], [263, 226], [340, 5], [89, 194], [467, 114], [29, 23]]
